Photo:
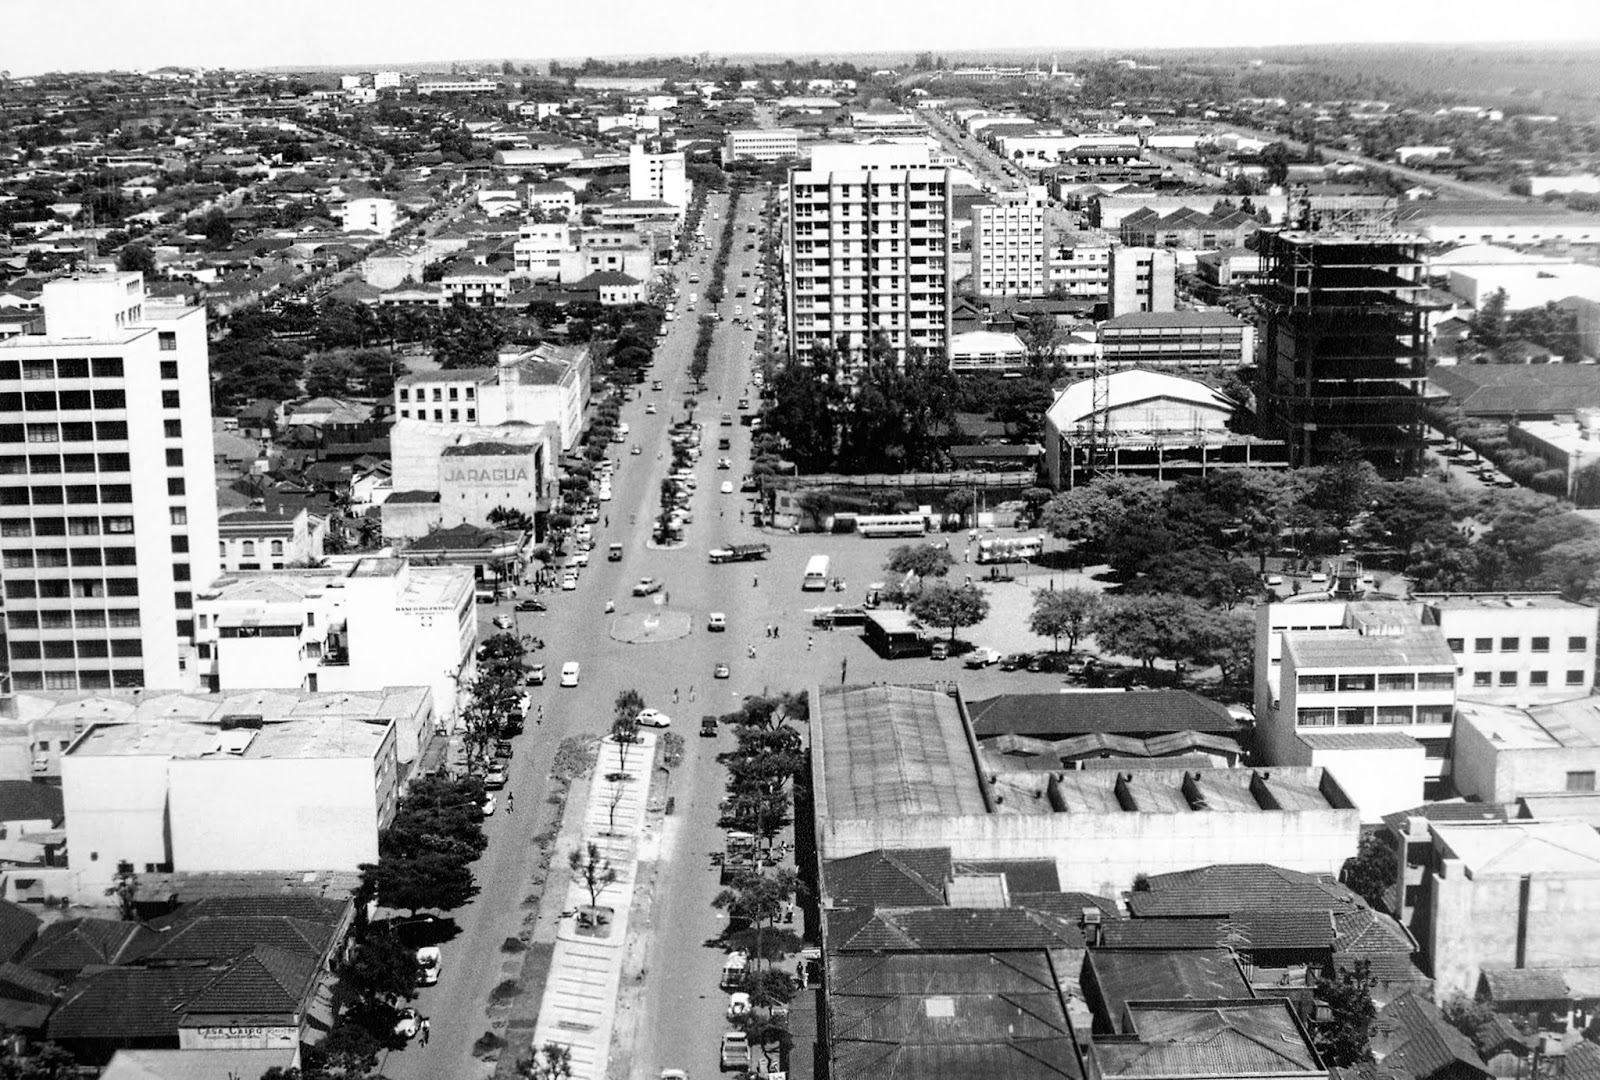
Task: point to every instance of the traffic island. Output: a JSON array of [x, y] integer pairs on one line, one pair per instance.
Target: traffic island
[[650, 627]]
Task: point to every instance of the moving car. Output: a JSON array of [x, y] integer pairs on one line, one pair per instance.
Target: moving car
[[636, 449], [720, 671], [653, 718], [727, 487], [531, 604], [429, 957], [646, 587], [724, 463], [569, 673], [708, 726], [716, 622], [650, 409], [614, 553], [656, 384]]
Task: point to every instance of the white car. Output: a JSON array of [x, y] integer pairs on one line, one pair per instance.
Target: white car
[[488, 804], [569, 583], [727, 487], [738, 1005], [605, 493], [408, 1023], [580, 558], [429, 958], [569, 673], [650, 408], [653, 718]]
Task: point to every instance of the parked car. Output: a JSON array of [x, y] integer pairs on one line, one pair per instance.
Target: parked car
[[716, 622], [495, 778], [569, 582], [504, 749], [981, 657], [939, 650], [1013, 661], [536, 675], [531, 604], [503, 622], [708, 726], [653, 718], [407, 1024], [738, 1005], [487, 807], [735, 1050], [727, 487], [429, 958]]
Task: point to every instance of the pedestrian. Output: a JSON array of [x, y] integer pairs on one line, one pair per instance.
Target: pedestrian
[[511, 802], [539, 717], [691, 693], [810, 641], [751, 649], [674, 695], [755, 582], [844, 666], [425, 1030], [774, 629], [608, 521]]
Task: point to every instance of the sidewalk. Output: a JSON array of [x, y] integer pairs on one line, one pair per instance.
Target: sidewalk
[[578, 1010]]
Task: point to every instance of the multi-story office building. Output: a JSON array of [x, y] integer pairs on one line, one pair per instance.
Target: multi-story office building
[[379, 216], [108, 510], [1516, 648], [1346, 342], [1080, 268], [761, 144], [1142, 279], [1177, 339], [1008, 247], [657, 177], [869, 250]]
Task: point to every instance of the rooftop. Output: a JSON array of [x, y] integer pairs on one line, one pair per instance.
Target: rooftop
[[892, 751], [1183, 791], [1221, 1038], [1522, 847], [287, 740], [1499, 601], [1572, 723], [1153, 320], [1137, 713], [1125, 976], [1349, 648]]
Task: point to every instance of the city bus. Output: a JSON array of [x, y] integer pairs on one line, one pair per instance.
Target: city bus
[[816, 574], [891, 525], [1009, 548]]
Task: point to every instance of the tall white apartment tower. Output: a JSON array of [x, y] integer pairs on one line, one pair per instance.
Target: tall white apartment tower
[[1008, 247], [869, 250], [657, 176], [108, 505]]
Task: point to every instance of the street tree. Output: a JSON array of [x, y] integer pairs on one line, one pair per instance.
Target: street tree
[[381, 970], [625, 722], [923, 560], [1149, 626], [432, 879], [592, 870], [758, 900], [136, 256], [552, 1061], [950, 606], [1063, 613]]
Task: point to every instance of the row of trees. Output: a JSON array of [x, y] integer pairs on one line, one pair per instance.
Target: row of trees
[[1495, 331], [762, 770]]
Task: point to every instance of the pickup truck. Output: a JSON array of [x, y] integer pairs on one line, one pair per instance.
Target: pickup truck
[[981, 657], [740, 553], [735, 1050]]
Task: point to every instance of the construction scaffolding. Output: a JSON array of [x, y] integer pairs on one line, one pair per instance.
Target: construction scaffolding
[[1345, 349]]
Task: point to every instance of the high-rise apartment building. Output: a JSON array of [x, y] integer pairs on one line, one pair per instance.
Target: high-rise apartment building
[[869, 250], [108, 508], [1346, 343], [1008, 247], [1142, 279], [657, 177]]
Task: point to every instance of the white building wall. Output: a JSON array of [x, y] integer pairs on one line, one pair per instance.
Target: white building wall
[[115, 809], [1493, 645], [279, 814]]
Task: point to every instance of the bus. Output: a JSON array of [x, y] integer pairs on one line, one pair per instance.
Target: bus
[[816, 574], [894, 634], [1010, 548], [891, 525]]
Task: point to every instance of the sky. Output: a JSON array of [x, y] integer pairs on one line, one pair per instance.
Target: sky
[[91, 35]]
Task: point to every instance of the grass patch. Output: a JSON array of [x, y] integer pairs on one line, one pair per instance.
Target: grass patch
[[506, 991], [486, 1044], [672, 749], [574, 757], [513, 945]]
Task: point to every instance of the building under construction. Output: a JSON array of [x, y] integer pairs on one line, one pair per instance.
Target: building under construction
[[1345, 348]]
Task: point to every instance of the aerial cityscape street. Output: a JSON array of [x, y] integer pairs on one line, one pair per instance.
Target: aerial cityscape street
[[850, 550]]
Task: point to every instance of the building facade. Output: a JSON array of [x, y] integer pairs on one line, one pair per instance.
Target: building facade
[[761, 144], [1176, 339], [869, 250], [1141, 279], [108, 511], [658, 177], [1008, 248]]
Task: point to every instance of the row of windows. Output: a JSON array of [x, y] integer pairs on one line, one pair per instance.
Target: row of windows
[[74, 588], [75, 494], [77, 680], [438, 415], [1363, 715], [405, 393], [73, 619], [74, 431], [1485, 679], [78, 526], [101, 367], [49, 558], [1514, 644], [247, 548], [74, 648], [52, 400], [258, 631], [1366, 681], [42, 464]]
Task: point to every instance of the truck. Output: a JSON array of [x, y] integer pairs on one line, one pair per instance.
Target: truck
[[740, 553]]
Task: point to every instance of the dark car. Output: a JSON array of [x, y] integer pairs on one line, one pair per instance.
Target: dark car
[[531, 604], [708, 725], [502, 749], [1014, 661]]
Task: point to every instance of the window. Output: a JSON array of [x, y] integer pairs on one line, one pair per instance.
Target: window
[[168, 341], [169, 369], [83, 526], [173, 428], [74, 399], [1457, 645], [50, 526], [1314, 718], [48, 495], [44, 433], [1574, 678], [1538, 678], [405, 394], [107, 367], [18, 560], [1510, 644], [23, 620], [117, 525], [38, 369], [77, 431], [1539, 644], [1397, 680], [180, 572], [114, 398], [183, 601], [1436, 680], [116, 493], [175, 456], [277, 548], [20, 590], [170, 399], [94, 650], [111, 430], [1483, 678], [39, 400], [1581, 781], [180, 544], [1394, 714], [1314, 684], [124, 618], [1577, 644], [248, 549], [1508, 678], [96, 619], [1355, 682], [120, 556], [1355, 717], [179, 516], [175, 485], [122, 587], [86, 557]]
